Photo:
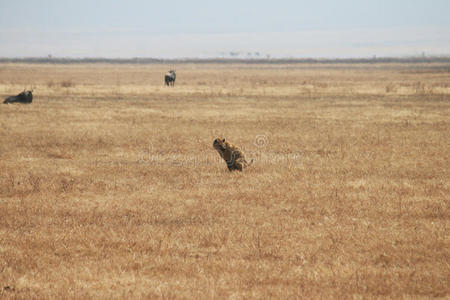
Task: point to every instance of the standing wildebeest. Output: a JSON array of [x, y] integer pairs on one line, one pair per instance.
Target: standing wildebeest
[[24, 97], [169, 78]]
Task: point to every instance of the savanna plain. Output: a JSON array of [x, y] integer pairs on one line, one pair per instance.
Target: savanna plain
[[110, 187]]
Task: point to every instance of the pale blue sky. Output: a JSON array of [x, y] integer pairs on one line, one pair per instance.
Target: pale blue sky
[[195, 28]]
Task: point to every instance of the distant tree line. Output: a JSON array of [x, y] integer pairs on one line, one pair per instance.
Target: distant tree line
[[54, 60]]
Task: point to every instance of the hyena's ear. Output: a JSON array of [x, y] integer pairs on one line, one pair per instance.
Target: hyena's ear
[[223, 140]]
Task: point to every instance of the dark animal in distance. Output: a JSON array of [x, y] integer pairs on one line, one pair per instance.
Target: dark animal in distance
[[24, 97], [170, 77]]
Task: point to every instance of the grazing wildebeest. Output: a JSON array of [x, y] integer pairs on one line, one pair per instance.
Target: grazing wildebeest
[[169, 78], [24, 97]]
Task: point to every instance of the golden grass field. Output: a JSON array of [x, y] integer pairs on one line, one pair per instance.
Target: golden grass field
[[110, 187]]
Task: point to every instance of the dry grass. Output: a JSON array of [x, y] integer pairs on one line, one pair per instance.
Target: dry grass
[[110, 188]]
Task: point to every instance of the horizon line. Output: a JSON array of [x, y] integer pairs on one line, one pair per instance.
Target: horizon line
[[149, 60]]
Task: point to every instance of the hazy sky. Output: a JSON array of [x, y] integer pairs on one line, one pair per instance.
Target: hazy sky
[[195, 28]]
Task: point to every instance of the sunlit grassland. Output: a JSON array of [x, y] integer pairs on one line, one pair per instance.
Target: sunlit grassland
[[110, 187]]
